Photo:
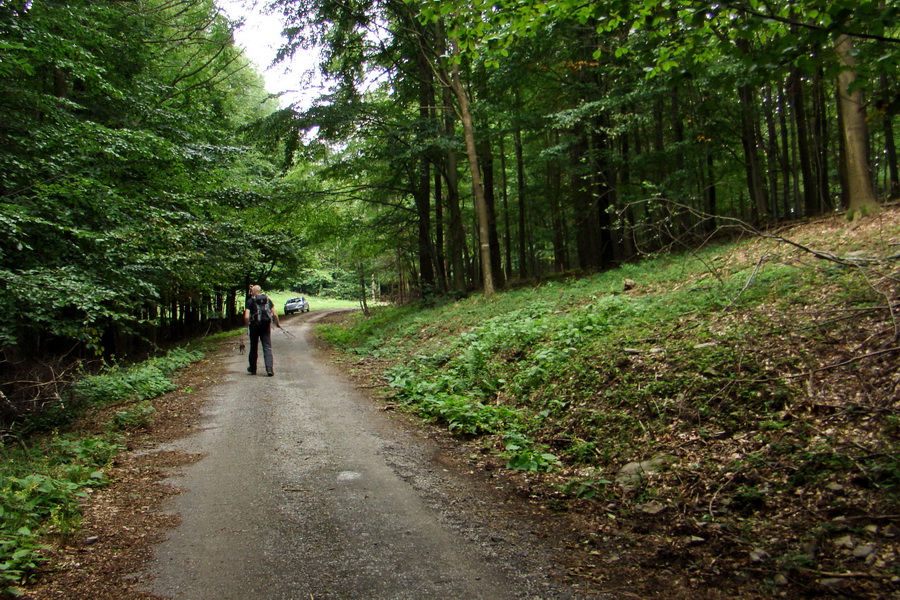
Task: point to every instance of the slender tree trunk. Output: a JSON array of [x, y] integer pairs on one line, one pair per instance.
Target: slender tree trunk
[[423, 212], [457, 231], [400, 297], [772, 151], [626, 237], [842, 150], [507, 241], [890, 147], [785, 154], [604, 194], [363, 292], [554, 189], [755, 187], [587, 230], [440, 257], [520, 190], [678, 130], [711, 207], [860, 192], [796, 204], [481, 208], [487, 162], [659, 137], [423, 186], [820, 144], [810, 193]]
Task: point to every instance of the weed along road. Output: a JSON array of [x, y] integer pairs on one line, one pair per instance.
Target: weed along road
[[306, 490]]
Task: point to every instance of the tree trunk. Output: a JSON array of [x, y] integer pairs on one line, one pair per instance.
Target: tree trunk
[[457, 231], [554, 189], [423, 213], [810, 193], [623, 179], [487, 163], [362, 290], [507, 240], [440, 258], [772, 151], [860, 192], [423, 185], [890, 147], [520, 190], [604, 194], [755, 187], [711, 207], [784, 155], [820, 143], [678, 131], [587, 229], [481, 209]]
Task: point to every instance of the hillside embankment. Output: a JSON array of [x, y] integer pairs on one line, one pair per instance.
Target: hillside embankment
[[720, 423]]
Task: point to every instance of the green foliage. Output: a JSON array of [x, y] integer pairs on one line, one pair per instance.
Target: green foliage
[[137, 416], [525, 455], [136, 383], [19, 555], [120, 129], [40, 493], [43, 482], [367, 333], [599, 371], [585, 488]]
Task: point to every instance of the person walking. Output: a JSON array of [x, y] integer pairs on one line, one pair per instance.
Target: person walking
[[259, 314]]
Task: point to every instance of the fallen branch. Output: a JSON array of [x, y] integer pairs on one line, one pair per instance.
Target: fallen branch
[[847, 575], [856, 359], [749, 281], [820, 369]]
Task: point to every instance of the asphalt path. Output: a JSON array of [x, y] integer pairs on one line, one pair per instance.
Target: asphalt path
[[307, 491]]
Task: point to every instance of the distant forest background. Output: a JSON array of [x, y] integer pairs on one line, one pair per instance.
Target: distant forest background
[[460, 146]]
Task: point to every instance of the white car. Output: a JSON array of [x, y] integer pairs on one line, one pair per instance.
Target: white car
[[298, 304]]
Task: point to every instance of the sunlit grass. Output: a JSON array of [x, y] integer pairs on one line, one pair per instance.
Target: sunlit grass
[[279, 297]]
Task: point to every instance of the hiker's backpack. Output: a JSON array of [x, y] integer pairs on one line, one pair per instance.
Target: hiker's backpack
[[262, 315]]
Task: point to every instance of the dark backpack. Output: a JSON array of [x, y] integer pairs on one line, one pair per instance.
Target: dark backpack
[[261, 315]]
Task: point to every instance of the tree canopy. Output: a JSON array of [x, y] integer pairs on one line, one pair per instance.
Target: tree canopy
[[127, 188], [461, 145], [597, 131]]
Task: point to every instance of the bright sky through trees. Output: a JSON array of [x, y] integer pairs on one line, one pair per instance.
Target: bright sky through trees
[[260, 37]]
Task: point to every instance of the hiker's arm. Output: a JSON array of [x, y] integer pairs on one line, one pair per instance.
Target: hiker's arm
[[246, 316], [275, 317]]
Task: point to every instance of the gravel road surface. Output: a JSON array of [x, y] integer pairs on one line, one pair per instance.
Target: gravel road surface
[[307, 490]]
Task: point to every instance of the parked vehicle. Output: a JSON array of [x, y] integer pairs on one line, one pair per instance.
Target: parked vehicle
[[298, 304]]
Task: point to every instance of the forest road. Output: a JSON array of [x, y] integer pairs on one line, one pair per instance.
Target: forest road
[[306, 490]]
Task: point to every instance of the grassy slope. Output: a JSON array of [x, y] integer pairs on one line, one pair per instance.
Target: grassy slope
[[767, 377]]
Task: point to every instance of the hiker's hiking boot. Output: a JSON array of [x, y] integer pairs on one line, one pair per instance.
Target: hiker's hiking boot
[[251, 370], [270, 372]]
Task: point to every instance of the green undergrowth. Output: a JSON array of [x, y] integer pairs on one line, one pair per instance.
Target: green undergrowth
[[761, 376], [744, 358], [45, 476]]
